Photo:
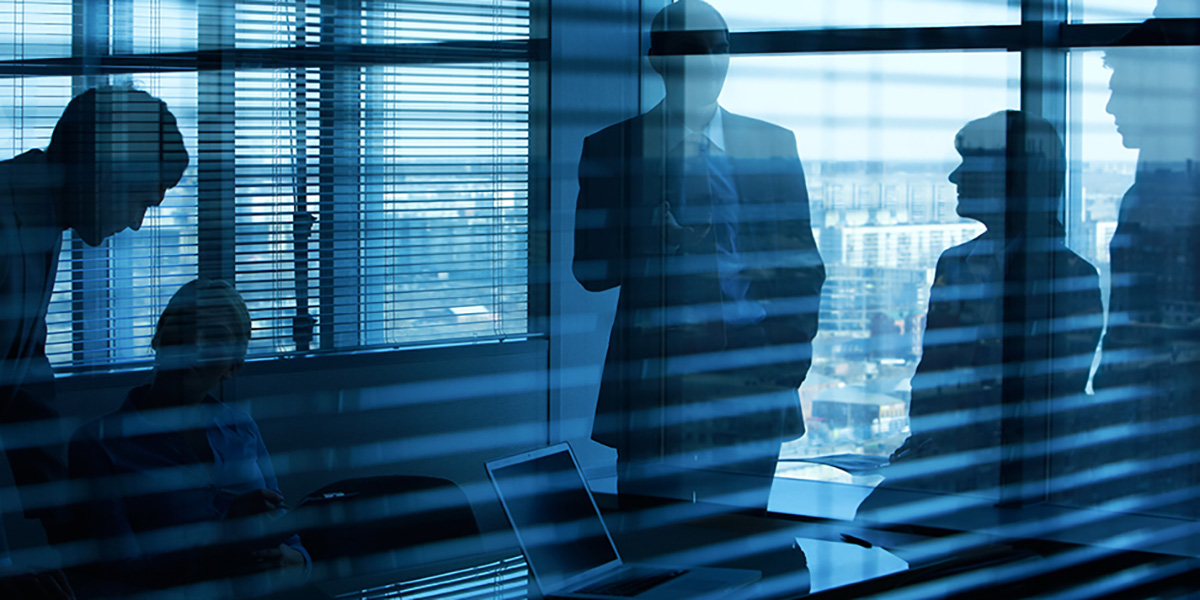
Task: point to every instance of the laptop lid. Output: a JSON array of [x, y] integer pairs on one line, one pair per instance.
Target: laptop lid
[[554, 516]]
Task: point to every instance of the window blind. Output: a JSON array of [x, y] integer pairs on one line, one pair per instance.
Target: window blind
[[106, 298], [358, 197], [497, 580], [382, 205]]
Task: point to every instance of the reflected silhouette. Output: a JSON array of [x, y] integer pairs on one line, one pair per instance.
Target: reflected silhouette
[[1150, 367], [113, 154], [1014, 318], [700, 216], [173, 459]]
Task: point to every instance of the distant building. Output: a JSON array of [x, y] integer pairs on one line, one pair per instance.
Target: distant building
[[860, 415]]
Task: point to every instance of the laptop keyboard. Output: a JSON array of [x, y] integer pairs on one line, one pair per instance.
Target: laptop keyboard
[[631, 586]]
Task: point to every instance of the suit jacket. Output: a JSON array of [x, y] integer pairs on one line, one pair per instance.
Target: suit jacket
[[620, 240]]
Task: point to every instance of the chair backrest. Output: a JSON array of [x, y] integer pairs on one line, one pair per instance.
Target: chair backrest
[[372, 524]]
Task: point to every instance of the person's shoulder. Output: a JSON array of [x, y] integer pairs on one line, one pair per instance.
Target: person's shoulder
[[9, 171], [961, 251], [609, 135], [230, 415], [1074, 264], [99, 429], [758, 126]]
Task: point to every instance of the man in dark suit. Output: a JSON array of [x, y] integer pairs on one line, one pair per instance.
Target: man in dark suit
[[701, 217]]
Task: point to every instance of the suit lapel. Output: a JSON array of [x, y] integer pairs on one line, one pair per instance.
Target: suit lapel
[[651, 157], [745, 159], [739, 146]]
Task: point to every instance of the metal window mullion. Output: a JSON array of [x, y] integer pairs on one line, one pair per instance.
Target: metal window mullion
[[90, 43], [216, 123], [540, 222], [1025, 421], [339, 227]]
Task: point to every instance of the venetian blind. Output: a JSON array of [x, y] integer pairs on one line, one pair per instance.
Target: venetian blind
[[358, 169], [497, 580], [382, 189], [105, 298]]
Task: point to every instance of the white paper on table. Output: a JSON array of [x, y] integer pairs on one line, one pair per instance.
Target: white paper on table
[[834, 564]]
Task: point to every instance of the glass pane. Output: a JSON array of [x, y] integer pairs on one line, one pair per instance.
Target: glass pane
[[445, 203], [472, 20], [159, 26], [1126, 11], [1138, 134], [876, 136], [35, 29], [758, 15]]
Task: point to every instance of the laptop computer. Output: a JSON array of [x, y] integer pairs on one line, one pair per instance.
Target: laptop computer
[[567, 545]]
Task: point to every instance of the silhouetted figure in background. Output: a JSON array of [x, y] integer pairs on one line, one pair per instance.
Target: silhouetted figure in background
[[173, 459], [1017, 284], [701, 217], [1149, 376], [113, 154]]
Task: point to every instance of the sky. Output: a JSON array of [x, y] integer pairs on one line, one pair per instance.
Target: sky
[[907, 106]]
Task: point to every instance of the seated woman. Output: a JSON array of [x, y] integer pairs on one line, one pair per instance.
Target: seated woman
[[181, 486]]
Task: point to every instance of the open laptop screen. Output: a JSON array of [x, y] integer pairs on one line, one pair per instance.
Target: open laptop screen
[[554, 517]]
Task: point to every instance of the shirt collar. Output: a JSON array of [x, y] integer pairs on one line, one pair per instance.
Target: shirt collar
[[168, 420], [714, 131]]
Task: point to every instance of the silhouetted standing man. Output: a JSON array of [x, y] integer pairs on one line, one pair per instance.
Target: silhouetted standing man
[[701, 217], [113, 154]]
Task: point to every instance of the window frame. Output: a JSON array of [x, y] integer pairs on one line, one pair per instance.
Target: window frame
[[97, 55], [1044, 39]]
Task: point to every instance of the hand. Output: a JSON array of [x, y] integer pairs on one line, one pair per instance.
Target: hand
[[282, 556], [253, 503], [679, 237], [283, 566], [29, 586]]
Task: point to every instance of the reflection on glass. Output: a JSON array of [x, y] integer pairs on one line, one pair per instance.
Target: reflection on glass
[[762, 15], [1014, 316], [700, 215], [151, 265], [876, 133], [35, 29], [1130, 11], [1147, 378]]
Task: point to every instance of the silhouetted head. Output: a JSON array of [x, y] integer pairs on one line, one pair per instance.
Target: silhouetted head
[[1010, 162], [119, 151], [689, 48], [1155, 90], [203, 334]]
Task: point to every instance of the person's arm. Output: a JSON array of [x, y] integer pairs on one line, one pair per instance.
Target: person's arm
[[1078, 322], [794, 307], [287, 554], [109, 547], [597, 264]]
